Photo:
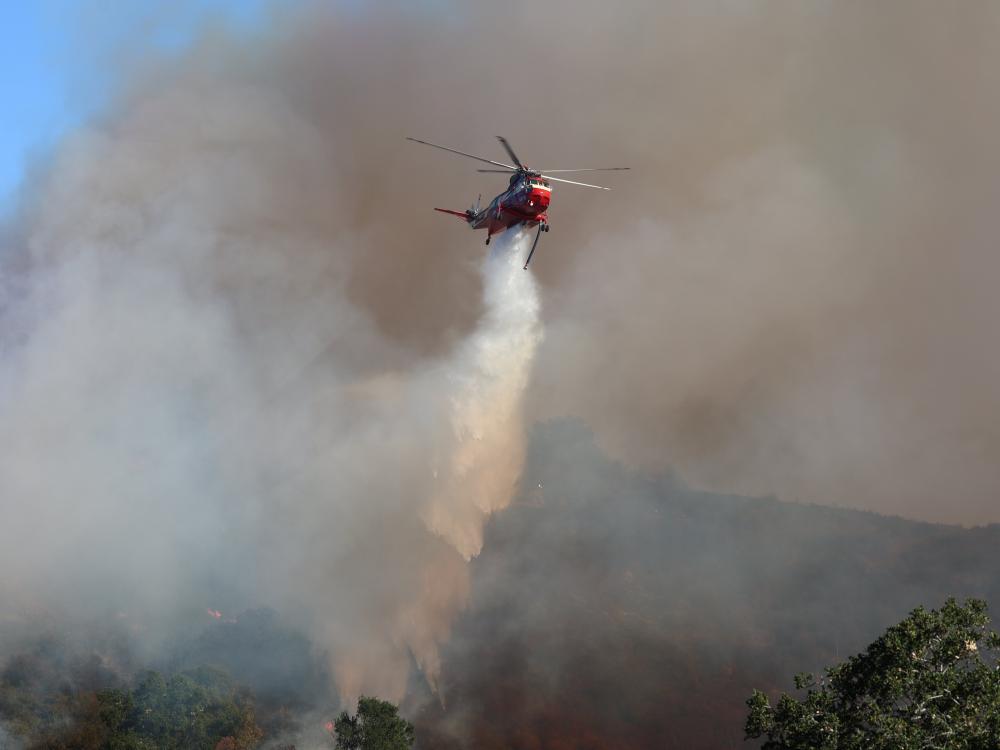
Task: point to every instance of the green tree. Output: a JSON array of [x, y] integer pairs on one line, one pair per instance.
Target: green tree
[[929, 683], [377, 726], [190, 711]]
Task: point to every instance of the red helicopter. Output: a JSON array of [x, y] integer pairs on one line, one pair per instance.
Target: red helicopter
[[523, 202]]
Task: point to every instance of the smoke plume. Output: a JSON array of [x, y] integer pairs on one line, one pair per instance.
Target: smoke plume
[[196, 415]]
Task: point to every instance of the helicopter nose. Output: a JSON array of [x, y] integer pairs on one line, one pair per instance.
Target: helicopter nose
[[539, 198]]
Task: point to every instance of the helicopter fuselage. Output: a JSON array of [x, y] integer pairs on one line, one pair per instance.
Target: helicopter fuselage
[[524, 202]]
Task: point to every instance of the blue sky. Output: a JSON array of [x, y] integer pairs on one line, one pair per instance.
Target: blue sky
[[54, 56]]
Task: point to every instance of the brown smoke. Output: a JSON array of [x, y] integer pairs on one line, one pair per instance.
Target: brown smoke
[[790, 293], [816, 325]]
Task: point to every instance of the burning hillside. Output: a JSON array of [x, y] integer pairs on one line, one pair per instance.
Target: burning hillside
[[628, 610], [611, 609]]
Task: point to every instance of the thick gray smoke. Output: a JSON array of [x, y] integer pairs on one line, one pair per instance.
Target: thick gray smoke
[[244, 362], [190, 402]]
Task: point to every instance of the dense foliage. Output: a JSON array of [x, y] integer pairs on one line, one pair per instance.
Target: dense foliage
[[48, 687], [52, 699], [89, 689], [189, 711], [932, 681], [377, 726]]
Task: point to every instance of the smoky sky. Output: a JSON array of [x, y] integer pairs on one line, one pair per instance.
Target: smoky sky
[[240, 352], [792, 290]]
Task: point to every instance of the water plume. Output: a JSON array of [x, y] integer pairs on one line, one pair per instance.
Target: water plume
[[487, 382], [463, 415]]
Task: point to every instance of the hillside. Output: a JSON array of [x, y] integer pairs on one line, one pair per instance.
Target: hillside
[[612, 609], [608, 609]]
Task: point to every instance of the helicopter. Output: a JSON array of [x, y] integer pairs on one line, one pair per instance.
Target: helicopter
[[525, 200]]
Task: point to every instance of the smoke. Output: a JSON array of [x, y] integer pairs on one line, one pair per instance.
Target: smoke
[[195, 413], [789, 294], [797, 297], [7, 742]]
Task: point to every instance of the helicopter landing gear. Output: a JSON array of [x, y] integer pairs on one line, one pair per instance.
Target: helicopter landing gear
[[487, 239]]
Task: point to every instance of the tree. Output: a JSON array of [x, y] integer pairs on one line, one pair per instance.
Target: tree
[[377, 726], [190, 711], [929, 683]]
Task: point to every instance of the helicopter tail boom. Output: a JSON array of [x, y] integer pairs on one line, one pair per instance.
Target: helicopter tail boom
[[467, 215]]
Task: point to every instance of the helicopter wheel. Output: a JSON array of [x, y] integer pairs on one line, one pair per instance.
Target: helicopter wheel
[[487, 240]]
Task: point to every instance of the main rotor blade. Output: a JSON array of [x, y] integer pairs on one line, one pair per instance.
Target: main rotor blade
[[570, 182], [501, 171], [462, 153], [591, 169], [510, 151]]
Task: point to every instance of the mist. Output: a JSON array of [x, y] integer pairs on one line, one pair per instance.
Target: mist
[[244, 363]]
